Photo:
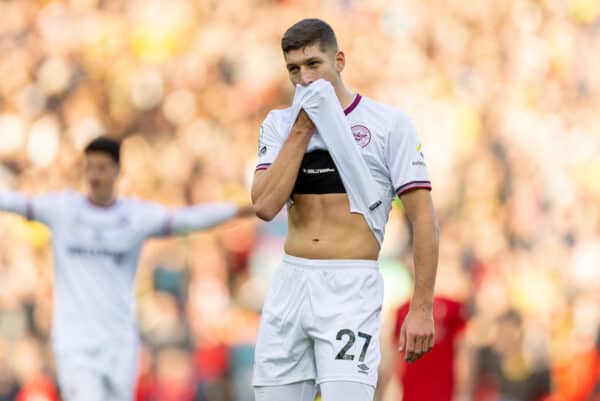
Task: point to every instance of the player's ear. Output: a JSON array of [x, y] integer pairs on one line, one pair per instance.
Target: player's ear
[[340, 61]]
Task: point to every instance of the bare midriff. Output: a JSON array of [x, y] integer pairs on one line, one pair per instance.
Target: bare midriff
[[322, 227]]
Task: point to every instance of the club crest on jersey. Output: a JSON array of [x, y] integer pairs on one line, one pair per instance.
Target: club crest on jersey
[[362, 135]]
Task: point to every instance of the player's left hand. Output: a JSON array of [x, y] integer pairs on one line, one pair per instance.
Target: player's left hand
[[417, 335]]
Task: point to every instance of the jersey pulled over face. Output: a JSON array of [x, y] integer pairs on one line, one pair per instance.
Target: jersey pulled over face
[[96, 251], [385, 136]]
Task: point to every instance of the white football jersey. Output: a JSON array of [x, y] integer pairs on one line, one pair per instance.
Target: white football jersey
[[96, 252], [387, 140]]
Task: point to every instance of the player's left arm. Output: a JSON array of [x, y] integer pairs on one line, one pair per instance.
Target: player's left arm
[[418, 335], [404, 156], [204, 216]]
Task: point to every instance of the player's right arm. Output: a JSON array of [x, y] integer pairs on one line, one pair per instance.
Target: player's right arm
[[15, 202], [278, 165], [39, 208]]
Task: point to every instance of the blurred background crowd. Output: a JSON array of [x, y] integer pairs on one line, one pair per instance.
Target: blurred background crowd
[[505, 95]]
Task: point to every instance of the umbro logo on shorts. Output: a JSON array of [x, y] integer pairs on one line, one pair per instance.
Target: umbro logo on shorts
[[363, 368]]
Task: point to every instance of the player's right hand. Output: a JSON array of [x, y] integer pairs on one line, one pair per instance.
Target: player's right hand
[[304, 123]]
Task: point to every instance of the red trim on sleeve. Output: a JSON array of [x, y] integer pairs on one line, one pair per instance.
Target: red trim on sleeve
[[262, 166], [410, 186]]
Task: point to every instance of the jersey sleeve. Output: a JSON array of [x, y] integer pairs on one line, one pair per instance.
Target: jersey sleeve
[[154, 219], [46, 208], [43, 208], [200, 217], [15, 202], [159, 221], [270, 142], [405, 158]]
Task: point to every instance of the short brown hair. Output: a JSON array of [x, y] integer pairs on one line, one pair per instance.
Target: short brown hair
[[308, 32]]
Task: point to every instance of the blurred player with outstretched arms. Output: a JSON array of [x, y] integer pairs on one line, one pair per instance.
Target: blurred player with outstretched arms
[[97, 238]]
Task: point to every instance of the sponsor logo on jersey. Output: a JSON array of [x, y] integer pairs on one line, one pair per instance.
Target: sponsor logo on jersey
[[362, 135], [318, 170], [422, 161], [84, 252], [419, 147]]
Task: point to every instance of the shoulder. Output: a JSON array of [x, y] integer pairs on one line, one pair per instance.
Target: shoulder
[[394, 118], [387, 111], [65, 196]]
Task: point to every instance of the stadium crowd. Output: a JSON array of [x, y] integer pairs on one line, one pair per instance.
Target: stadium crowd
[[505, 95]]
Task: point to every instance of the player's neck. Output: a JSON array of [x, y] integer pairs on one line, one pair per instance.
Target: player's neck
[[345, 96], [102, 200]]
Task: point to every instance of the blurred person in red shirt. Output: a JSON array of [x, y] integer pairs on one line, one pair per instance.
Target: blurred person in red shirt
[[171, 379], [439, 365], [41, 388], [210, 361]]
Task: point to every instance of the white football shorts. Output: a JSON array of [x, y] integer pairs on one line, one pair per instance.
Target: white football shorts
[[108, 373], [320, 321]]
